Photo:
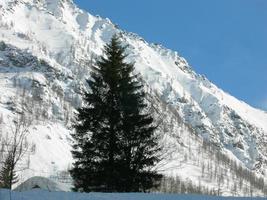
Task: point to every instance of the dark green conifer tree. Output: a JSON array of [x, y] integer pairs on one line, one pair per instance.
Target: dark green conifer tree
[[116, 146], [8, 176]]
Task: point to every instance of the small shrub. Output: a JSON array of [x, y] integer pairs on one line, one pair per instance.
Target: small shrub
[[2, 46]]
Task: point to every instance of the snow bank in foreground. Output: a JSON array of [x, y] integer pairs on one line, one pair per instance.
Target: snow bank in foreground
[[45, 195]]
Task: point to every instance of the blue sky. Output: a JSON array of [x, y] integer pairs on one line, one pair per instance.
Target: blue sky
[[226, 40]]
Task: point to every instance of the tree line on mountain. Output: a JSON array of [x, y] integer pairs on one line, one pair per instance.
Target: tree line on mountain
[[220, 169], [222, 173], [225, 174]]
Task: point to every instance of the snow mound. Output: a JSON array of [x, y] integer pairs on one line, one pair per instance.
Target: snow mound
[[41, 183]]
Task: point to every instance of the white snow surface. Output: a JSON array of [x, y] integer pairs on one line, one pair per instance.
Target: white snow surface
[[38, 194], [46, 195], [54, 41]]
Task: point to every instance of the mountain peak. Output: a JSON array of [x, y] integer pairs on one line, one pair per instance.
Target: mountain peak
[[50, 5]]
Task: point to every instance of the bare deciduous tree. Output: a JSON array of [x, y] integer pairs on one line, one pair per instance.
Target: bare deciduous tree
[[13, 148]]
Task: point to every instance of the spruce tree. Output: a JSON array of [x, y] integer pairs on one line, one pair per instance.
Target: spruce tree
[[8, 176], [115, 141]]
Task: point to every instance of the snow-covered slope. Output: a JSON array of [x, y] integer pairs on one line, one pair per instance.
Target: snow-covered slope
[[46, 49]]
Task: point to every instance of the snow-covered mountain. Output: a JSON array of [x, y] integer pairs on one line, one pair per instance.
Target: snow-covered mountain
[[46, 50]]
